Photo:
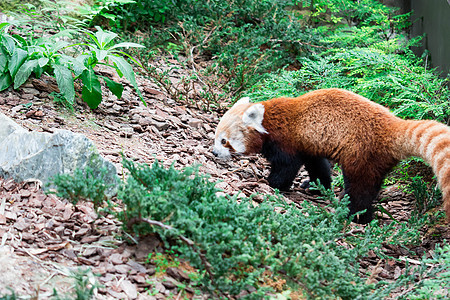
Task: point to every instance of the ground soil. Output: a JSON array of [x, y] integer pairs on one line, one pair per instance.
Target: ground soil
[[44, 238]]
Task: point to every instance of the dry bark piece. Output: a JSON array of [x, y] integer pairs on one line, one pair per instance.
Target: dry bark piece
[[137, 266], [21, 224], [122, 269], [129, 289], [177, 274], [116, 258]]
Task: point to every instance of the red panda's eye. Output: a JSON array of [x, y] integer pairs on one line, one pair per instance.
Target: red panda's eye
[[223, 141]]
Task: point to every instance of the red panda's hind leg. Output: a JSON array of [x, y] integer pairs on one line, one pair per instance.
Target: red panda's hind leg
[[362, 194], [318, 169]]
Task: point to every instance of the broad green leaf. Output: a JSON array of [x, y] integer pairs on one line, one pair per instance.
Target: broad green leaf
[[121, 53], [109, 16], [78, 65], [65, 82], [43, 61], [3, 25], [124, 67], [89, 78], [127, 45], [114, 87], [92, 97], [94, 38], [104, 37], [20, 39], [101, 54], [8, 43], [24, 72], [3, 60], [38, 70], [92, 91], [127, 71], [36, 51], [5, 81], [17, 59], [59, 45], [125, 1]]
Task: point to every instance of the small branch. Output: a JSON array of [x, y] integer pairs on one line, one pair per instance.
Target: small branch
[[298, 42], [238, 169]]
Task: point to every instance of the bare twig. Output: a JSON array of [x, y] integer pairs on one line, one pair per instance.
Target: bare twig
[[238, 169], [298, 42]]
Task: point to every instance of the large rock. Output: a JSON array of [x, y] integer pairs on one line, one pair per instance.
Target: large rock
[[41, 155]]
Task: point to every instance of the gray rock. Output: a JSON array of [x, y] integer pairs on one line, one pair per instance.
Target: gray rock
[[42, 155], [8, 126]]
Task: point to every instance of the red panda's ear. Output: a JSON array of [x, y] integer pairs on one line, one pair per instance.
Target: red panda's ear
[[254, 116], [244, 100]]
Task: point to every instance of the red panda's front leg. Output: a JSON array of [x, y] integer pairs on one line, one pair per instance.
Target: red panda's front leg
[[284, 167], [282, 175]]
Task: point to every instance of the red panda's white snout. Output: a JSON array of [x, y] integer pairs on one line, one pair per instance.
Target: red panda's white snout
[[232, 133]]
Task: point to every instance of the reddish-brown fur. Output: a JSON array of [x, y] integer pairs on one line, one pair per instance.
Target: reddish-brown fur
[[360, 135]]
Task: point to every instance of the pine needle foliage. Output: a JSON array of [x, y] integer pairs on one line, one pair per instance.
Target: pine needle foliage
[[238, 245]]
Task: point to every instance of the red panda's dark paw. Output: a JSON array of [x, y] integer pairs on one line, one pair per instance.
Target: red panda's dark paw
[[280, 187], [305, 185]]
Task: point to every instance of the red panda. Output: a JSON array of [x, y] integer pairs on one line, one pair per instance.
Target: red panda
[[363, 137]]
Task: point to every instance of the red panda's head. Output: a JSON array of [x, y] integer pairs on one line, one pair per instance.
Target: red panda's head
[[240, 129]]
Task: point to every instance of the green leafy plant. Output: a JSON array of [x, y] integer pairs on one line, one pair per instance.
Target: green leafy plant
[[400, 82], [20, 58], [103, 51], [85, 285], [435, 287], [427, 198], [99, 11]]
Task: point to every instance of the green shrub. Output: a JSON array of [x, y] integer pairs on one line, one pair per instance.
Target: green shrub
[[237, 244], [100, 12], [87, 184]]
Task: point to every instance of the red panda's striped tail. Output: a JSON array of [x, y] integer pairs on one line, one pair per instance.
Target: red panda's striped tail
[[430, 140]]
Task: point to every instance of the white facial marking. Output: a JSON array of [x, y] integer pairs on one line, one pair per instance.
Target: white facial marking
[[237, 143], [223, 152], [220, 150], [230, 137]]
